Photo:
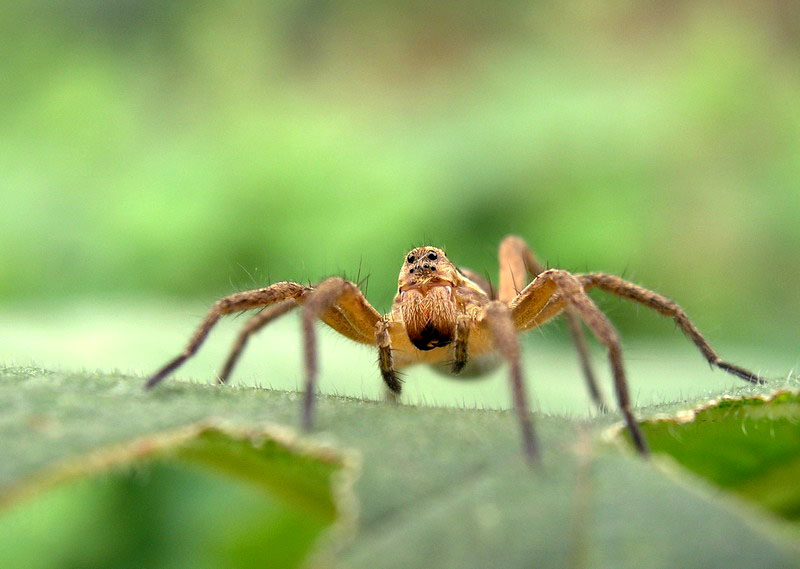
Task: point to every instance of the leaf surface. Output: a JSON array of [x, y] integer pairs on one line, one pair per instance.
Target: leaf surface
[[439, 487], [749, 445]]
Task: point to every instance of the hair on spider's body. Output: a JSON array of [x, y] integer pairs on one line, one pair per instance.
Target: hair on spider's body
[[453, 320]]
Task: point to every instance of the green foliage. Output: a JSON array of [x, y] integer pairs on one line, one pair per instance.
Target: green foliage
[[156, 150], [438, 487], [203, 496], [749, 446]]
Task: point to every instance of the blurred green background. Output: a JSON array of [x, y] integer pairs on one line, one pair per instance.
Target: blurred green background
[[172, 153]]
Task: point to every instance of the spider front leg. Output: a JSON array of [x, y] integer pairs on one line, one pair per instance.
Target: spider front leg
[[460, 353], [560, 289], [238, 302], [517, 261], [498, 319], [342, 305], [394, 385]]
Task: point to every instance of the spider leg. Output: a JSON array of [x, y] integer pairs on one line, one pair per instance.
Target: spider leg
[[237, 302], [479, 280], [394, 385], [253, 325], [517, 261], [578, 338], [665, 306], [460, 352], [352, 306], [536, 296], [497, 317]]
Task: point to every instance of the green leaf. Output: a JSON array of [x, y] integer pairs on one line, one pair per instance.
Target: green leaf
[[203, 495], [439, 487], [749, 445]]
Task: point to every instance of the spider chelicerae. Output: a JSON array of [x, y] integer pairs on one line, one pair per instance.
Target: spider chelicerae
[[450, 318]]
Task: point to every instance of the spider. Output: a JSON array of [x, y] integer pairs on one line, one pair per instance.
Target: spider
[[451, 319]]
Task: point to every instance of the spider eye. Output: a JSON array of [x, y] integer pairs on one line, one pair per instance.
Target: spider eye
[[410, 258], [432, 256]]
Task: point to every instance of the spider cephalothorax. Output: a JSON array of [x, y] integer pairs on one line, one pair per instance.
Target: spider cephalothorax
[[425, 302], [450, 318]]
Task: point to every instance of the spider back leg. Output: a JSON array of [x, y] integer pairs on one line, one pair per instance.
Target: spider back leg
[[665, 306], [253, 325], [237, 302]]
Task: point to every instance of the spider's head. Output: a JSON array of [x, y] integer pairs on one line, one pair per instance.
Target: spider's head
[[426, 267]]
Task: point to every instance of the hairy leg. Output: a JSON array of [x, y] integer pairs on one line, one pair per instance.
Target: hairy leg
[[394, 385], [570, 292], [665, 306], [517, 261], [579, 340], [237, 302], [253, 325], [479, 280], [497, 317], [334, 292], [460, 352]]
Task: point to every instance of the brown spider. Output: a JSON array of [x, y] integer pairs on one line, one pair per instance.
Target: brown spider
[[451, 319]]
